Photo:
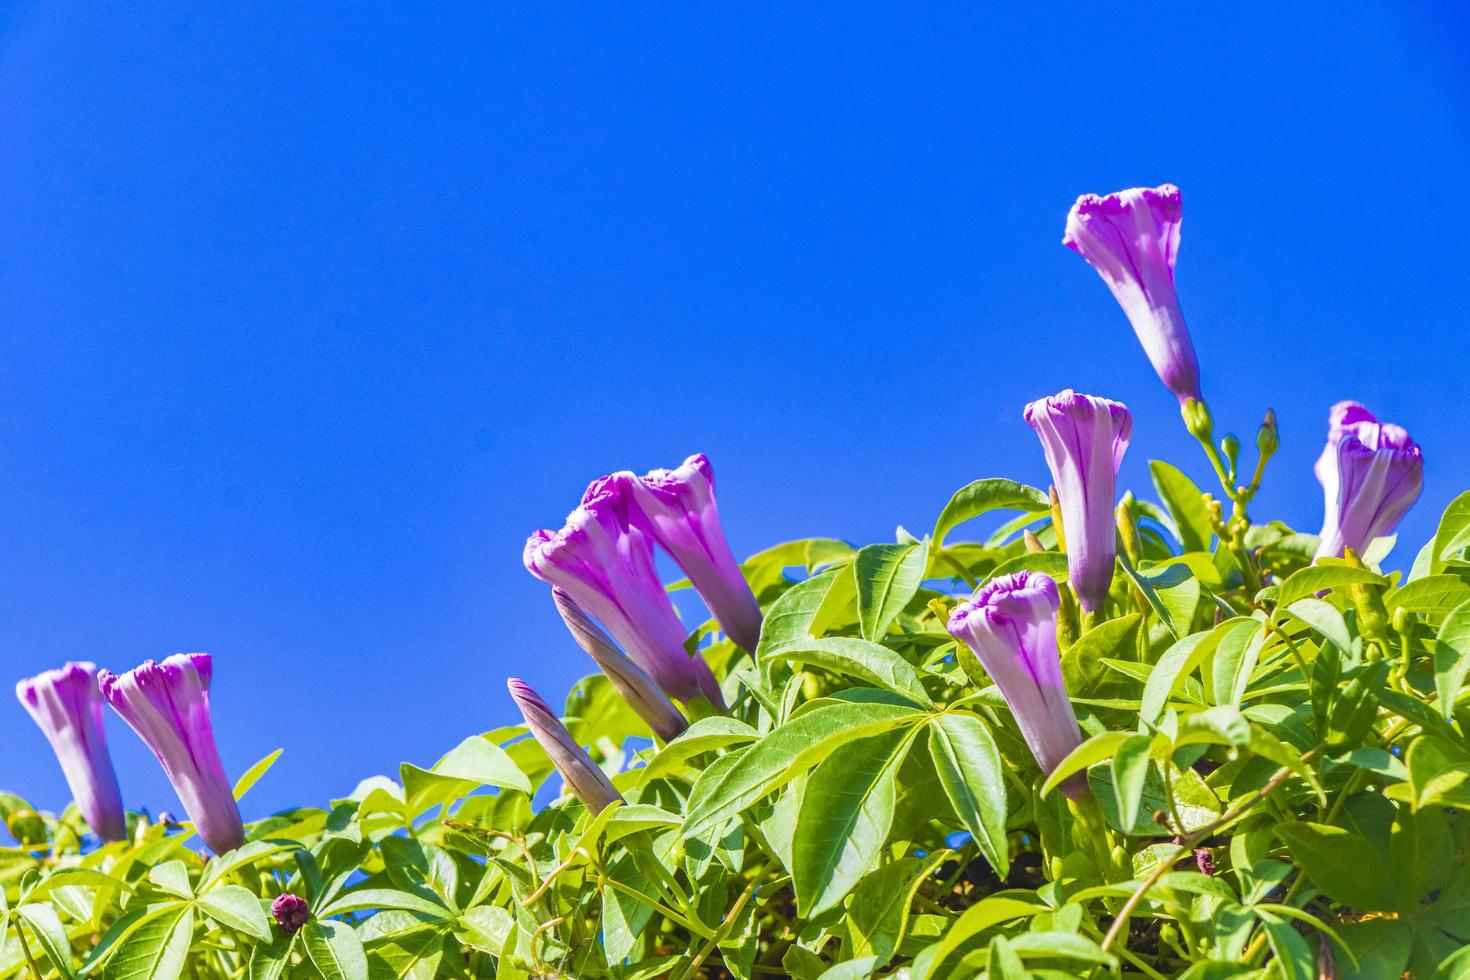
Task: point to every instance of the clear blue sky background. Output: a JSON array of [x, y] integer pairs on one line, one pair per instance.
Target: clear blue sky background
[[310, 315]]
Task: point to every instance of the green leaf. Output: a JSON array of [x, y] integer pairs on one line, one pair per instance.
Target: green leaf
[[414, 955], [1382, 948], [705, 735], [1292, 955], [46, 926], [1177, 663], [171, 877], [426, 869], [969, 768], [241, 857], [68, 878], [473, 763], [1130, 766], [268, 962], [253, 774], [384, 898], [1453, 534], [1002, 963], [1452, 658], [846, 813], [1319, 578], [976, 919], [878, 914], [1325, 619], [1065, 945], [1171, 591], [487, 926], [237, 908], [1439, 773], [1081, 662], [722, 792], [887, 577], [1235, 659], [1097, 748], [334, 950], [1343, 866], [630, 818], [158, 949], [791, 616], [1186, 505], [982, 496], [1431, 594], [870, 662]]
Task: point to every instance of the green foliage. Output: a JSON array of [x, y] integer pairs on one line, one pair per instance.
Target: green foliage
[[1276, 755]]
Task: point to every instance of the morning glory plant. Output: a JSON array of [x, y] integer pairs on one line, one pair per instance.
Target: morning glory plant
[[1083, 730]]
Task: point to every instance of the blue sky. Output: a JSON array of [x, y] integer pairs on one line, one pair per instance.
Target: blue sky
[[310, 315]]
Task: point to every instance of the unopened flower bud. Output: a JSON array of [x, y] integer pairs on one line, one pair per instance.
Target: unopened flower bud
[[1127, 523], [291, 912], [1033, 543], [1268, 440], [1403, 622], [1230, 446], [1197, 419], [1056, 518], [1204, 860]]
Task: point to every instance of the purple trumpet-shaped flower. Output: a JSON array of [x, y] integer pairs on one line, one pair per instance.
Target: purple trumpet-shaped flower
[[1084, 439], [1371, 473], [167, 704], [677, 509], [606, 565], [1011, 626], [1131, 239], [68, 709], [631, 681], [586, 780]]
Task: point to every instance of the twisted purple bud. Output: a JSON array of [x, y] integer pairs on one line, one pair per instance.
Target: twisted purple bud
[[586, 780], [290, 912], [167, 704], [606, 566], [677, 509], [1371, 473], [1084, 439], [630, 680], [1131, 238], [66, 706], [1010, 625]]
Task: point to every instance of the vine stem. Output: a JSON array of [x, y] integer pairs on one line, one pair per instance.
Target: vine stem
[[1187, 844], [727, 924], [25, 947]]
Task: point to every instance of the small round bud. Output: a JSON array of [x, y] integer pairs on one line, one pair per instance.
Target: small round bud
[[291, 912], [1230, 446], [1403, 621]]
